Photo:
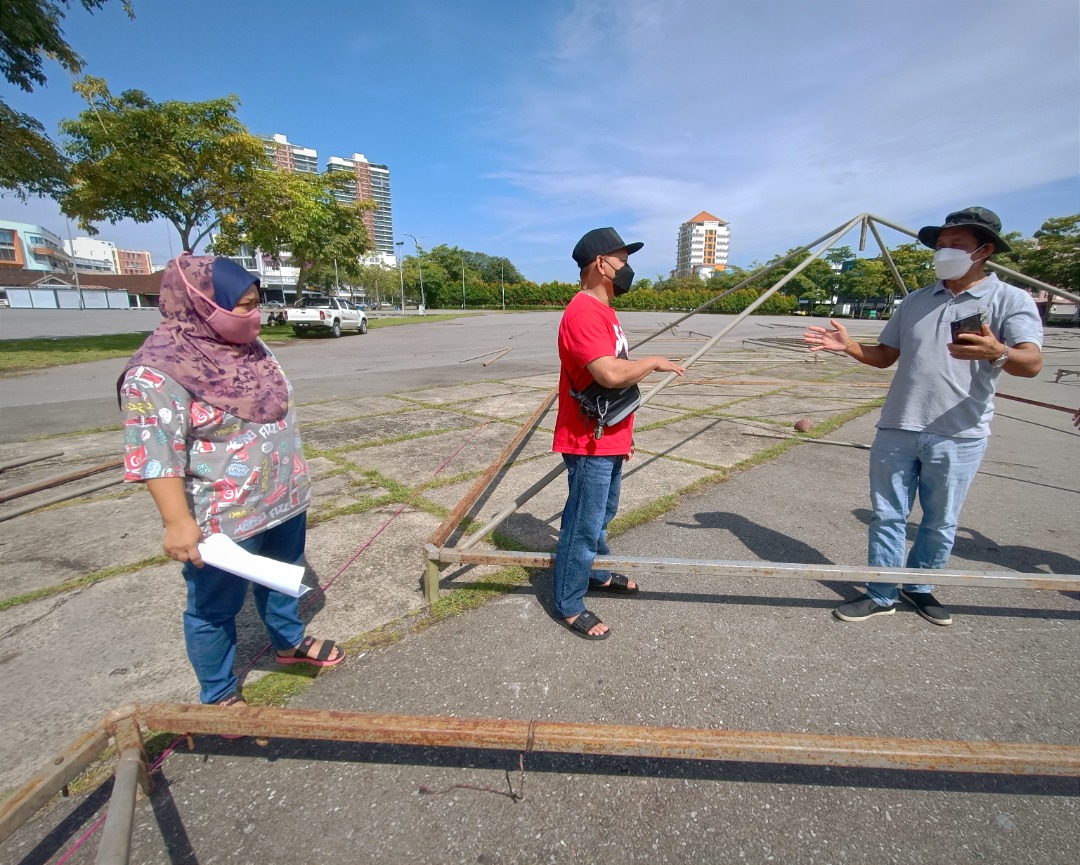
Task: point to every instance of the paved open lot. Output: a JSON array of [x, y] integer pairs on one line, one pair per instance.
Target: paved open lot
[[382, 413]]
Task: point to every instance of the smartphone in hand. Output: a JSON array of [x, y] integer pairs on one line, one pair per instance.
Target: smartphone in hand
[[970, 324]]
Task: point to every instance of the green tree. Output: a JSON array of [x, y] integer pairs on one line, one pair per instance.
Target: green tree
[[281, 212], [189, 163], [1056, 258], [30, 163]]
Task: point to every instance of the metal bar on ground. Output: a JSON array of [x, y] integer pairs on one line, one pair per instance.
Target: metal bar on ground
[[65, 767], [25, 461], [500, 354], [768, 435], [447, 527], [509, 510], [56, 481], [115, 845], [786, 570], [680, 743], [55, 500]]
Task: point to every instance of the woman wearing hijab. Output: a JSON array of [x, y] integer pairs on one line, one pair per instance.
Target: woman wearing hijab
[[210, 429]]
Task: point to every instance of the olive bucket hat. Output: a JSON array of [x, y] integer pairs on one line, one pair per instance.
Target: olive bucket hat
[[983, 222]]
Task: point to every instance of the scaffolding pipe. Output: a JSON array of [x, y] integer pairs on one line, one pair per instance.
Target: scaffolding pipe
[[25, 461], [888, 260], [679, 743], [507, 512], [115, 845], [855, 574]]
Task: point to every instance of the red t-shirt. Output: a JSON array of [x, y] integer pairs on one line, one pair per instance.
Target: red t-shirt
[[588, 330]]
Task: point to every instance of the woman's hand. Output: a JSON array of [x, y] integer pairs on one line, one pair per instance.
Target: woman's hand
[[181, 541]]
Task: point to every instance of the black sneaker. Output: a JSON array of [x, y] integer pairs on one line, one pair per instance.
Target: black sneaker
[[927, 606], [861, 608]]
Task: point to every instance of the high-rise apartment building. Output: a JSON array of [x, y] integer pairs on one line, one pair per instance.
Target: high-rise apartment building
[[369, 181], [702, 248], [291, 157]]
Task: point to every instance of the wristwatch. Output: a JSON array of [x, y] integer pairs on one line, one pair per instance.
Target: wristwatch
[[999, 362]]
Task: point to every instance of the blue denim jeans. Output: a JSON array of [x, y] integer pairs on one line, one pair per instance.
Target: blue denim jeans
[[215, 598], [939, 469], [593, 499]]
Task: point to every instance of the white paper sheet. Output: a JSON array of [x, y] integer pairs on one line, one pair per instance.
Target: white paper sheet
[[223, 552]]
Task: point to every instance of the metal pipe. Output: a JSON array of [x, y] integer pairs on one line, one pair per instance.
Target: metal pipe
[[1036, 402], [768, 435], [27, 460], [680, 743], [888, 260], [505, 514], [115, 845], [28, 799], [447, 527], [855, 574], [508, 511], [55, 500], [57, 480]]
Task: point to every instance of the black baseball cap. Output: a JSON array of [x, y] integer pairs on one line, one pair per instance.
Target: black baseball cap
[[983, 222], [601, 241]]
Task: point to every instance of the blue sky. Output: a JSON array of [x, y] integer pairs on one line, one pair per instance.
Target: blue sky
[[513, 127]]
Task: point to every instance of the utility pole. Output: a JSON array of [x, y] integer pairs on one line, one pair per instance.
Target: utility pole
[[502, 282], [401, 276], [462, 283]]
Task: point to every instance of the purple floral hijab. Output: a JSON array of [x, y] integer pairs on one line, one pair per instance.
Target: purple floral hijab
[[244, 380]]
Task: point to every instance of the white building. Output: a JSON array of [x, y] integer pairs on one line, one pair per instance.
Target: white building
[[702, 248], [291, 157], [93, 256]]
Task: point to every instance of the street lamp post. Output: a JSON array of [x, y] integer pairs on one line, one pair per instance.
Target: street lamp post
[[462, 283], [419, 269], [401, 276]]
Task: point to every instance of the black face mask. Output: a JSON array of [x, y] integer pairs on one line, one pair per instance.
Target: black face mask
[[622, 279]]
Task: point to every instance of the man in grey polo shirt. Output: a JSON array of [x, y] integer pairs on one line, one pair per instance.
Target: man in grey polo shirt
[[936, 418]]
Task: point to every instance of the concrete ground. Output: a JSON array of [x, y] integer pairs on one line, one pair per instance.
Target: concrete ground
[[727, 653]]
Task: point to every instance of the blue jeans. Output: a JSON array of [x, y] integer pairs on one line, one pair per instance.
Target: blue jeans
[[937, 468], [215, 597], [593, 499]]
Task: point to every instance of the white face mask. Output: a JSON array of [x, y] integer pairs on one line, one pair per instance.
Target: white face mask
[[952, 263]]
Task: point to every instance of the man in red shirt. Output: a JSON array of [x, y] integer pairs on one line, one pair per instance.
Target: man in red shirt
[[592, 347]]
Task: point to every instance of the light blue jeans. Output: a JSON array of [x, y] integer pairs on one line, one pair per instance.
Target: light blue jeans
[[937, 468], [215, 597], [593, 499]]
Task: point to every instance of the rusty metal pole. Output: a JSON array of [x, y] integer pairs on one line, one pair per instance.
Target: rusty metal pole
[[56, 481], [682, 743], [888, 260], [115, 845]]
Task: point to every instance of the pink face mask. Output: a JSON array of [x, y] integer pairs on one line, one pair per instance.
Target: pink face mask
[[238, 328]]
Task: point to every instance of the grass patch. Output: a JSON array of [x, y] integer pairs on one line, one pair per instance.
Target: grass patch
[[82, 582], [20, 355]]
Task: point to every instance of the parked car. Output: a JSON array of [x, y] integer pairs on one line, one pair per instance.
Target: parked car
[[332, 314]]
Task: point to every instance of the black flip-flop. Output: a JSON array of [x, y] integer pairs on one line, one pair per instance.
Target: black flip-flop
[[619, 585], [584, 623]]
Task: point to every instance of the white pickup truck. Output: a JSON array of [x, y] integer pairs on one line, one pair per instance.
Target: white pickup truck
[[333, 314]]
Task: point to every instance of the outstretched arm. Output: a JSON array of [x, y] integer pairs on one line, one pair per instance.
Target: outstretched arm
[[838, 340], [617, 372]]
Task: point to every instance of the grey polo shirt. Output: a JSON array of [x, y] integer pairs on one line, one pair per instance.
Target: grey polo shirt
[[933, 392]]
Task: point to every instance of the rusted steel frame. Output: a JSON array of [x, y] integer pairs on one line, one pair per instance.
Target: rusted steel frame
[[789, 570], [123, 724], [115, 845], [681, 743], [56, 481], [54, 500], [993, 265], [755, 275], [447, 527], [888, 259], [505, 514], [24, 802], [25, 461]]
